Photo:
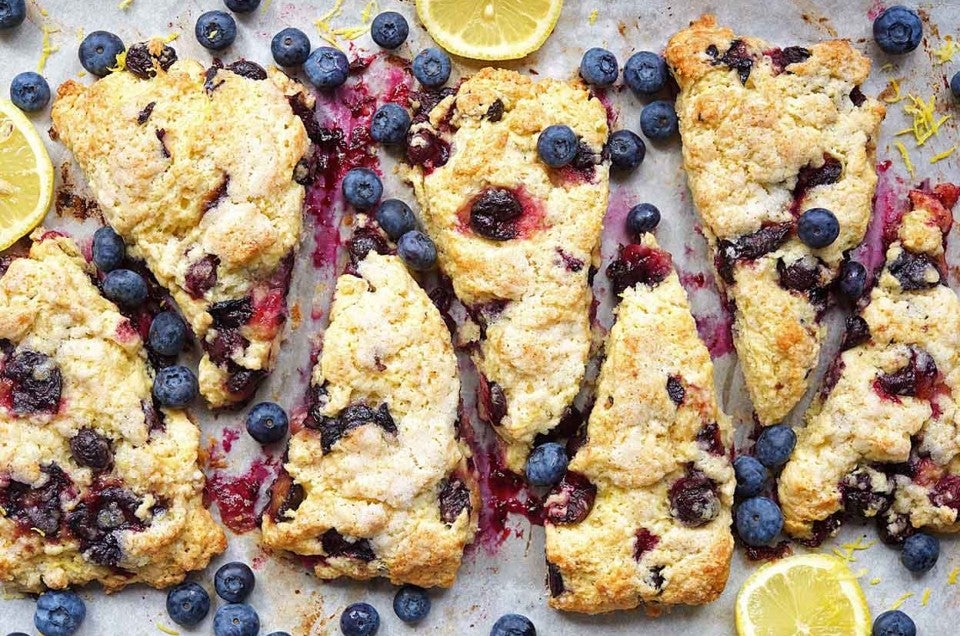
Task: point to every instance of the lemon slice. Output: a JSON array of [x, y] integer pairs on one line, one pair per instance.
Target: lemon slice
[[807, 594], [26, 175], [490, 29]]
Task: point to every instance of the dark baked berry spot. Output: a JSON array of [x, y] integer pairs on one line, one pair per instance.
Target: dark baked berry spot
[[570, 263], [637, 264], [645, 542], [90, 448], [285, 496], [336, 545], [152, 416], [554, 580], [946, 492], [917, 378], [861, 497], [782, 58], [364, 241], [495, 112], [145, 113], [493, 213], [201, 275], [708, 439], [915, 271], [454, 498], [822, 529], [675, 389], [857, 97], [97, 521], [805, 274], [491, 401], [216, 195], [242, 382], [737, 57], [571, 500], [248, 69], [893, 529], [32, 381], [332, 429], [231, 314], [694, 500], [142, 63], [426, 149], [856, 332], [811, 177], [749, 247], [36, 507], [655, 578]]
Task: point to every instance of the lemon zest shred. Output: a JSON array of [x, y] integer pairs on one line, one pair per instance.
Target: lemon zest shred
[[39, 531], [940, 156], [593, 16], [47, 47], [897, 96], [120, 63], [887, 67], [897, 604], [351, 33], [945, 52], [44, 12], [170, 37], [905, 156], [369, 10], [875, 580], [333, 12], [166, 630], [925, 598], [843, 554], [952, 576], [124, 4], [861, 572], [925, 125]]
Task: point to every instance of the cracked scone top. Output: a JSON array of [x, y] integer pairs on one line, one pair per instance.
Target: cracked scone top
[[767, 134], [375, 482], [883, 438], [195, 169], [517, 238], [643, 514], [95, 485]]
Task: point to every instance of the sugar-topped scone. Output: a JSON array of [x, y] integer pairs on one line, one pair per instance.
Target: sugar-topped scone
[[517, 238], [767, 134], [643, 513], [883, 438], [96, 482], [375, 482], [194, 167]]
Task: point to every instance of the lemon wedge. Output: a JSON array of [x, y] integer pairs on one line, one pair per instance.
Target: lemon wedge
[[807, 594], [490, 29], [26, 175]]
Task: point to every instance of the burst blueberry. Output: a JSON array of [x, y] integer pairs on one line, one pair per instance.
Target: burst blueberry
[[897, 30], [215, 30], [188, 604], [759, 521], [267, 422], [920, 552], [125, 287], [234, 581], [599, 67], [108, 249], [12, 13], [389, 30], [658, 120], [290, 47], [852, 279], [417, 250], [168, 333], [893, 623], [513, 625], [411, 604], [242, 6], [359, 619], [98, 52], [29, 91], [774, 445], [59, 613], [236, 619], [557, 145], [626, 150], [432, 67], [818, 228], [395, 218], [327, 68], [955, 85], [362, 188], [751, 476], [642, 218], [390, 124], [547, 464], [175, 387], [645, 73]]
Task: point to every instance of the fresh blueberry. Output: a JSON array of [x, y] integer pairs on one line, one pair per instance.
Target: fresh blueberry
[[920, 552], [98, 52], [59, 613], [168, 333], [658, 120], [359, 619], [29, 91], [557, 146], [759, 521], [236, 619], [362, 188], [175, 387], [12, 13], [626, 150], [278, 634], [642, 218], [955, 85], [774, 445], [411, 604], [188, 604], [547, 464], [432, 67], [267, 422], [513, 625], [395, 218], [853, 279], [599, 67], [417, 251], [645, 73], [290, 47], [234, 581], [242, 6], [751, 476], [897, 30], [125, 287], [327, 67], [216, 30], [390, 124], [894, 623], [389, 29], [108, 249], [818, 227], [14, 633]]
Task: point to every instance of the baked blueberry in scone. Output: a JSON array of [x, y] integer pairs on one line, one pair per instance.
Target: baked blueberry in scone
[[883, 438], [643, 513], [375, 482], [769, 133], [518, 238], [195, 167], [97, 483]]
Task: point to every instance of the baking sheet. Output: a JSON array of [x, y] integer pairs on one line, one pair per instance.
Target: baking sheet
[[509, 577]]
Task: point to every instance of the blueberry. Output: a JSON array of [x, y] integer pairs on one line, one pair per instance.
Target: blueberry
[[267, 422], [645, 73], [236, 619], [29, 91], [395, 218], [326, 67], [278, 634], [389, 29], [626, 150], [290, 47], [168, 333], [242, 6], [362, 188], [59, 613], [920, 552], [411, 604], [759, 521], [642, 218], [125, 287], [234, 581], [547, 464], [216, 30], [98, 52], [390, 124], [108, 249], [359, 619], [599, 67], [188, 604], [12, 13], [897, 30], [417, 251], [557, 146], [894, 623], [513, 625], [818, 227], [432, 67], [774, 445], [658, 120], [955, 85], [853, 279], [14, 633], [175, 387], [751, 476]]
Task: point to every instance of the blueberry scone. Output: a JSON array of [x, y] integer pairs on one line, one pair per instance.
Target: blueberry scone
[[883, 438], [518, 238], [195, 168], [97, 483], [767, 134], [643, 513], [375, 482]]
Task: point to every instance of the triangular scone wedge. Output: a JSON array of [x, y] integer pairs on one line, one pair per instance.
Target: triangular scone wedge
[[375, 481], [767, 134], [194, 167], [96, 483], [883, 438], [517, 238], [643, 513]]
